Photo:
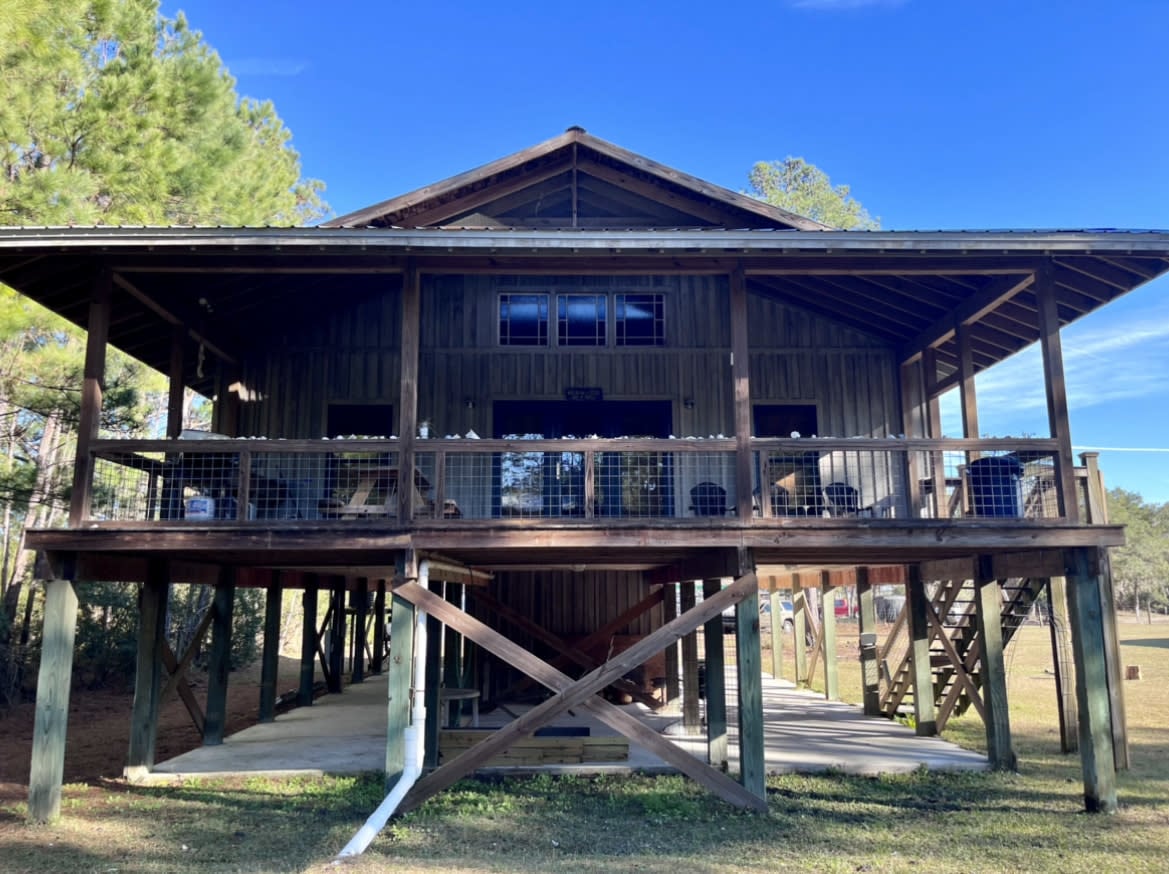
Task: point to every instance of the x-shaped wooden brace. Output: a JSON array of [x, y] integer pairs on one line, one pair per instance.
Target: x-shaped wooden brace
[[962, 668], [578, 693], [177, 670]]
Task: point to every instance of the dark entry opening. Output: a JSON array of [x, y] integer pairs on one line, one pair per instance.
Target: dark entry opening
[[540, 484]]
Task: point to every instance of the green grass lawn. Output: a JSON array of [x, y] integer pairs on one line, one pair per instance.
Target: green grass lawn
[[1030, 821]]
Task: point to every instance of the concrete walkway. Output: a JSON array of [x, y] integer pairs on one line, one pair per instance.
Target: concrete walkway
[[345, 734]]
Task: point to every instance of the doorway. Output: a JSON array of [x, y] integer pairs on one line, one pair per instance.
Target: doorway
[[542, 484]]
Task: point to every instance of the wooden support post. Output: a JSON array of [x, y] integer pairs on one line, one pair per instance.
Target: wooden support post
[[776, 604], [867, 622], [152, 601], [308, 643], [452, 656], [1061, 657], [1097, 497], [800, 627], [270, 657], [828, 636], [924, 704], [52, 709], [966, 393], [408, 390], [433, 680], [219, 659], [1057, 399], [360, 600], [752, 752], [716, 682], [400, 675], [988, 602], [741, 376], [691, 701], [336, 652], [912, 425], [1087, 621], [1112, 664], [379, 628], [670, 612], [933, 422], [177, 386], [91, 396]]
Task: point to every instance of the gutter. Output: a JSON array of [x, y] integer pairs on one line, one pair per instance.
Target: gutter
[[412, 737]]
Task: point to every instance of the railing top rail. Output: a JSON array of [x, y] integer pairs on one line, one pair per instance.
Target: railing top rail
[[983, 444], [621, 444]]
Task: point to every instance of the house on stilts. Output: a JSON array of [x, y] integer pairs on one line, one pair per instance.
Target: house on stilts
[[550, 403]]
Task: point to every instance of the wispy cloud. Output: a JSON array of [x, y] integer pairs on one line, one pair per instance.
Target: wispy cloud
[[1126, 360], [844, 5], [283, 67]]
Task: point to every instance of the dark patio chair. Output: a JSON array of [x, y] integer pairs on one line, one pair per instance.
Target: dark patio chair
[[709, 499], [842, 499]]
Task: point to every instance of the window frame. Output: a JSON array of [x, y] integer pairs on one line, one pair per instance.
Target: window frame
[[609, 334]]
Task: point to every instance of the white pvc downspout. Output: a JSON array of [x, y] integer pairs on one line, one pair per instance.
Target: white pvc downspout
[[412, 736]]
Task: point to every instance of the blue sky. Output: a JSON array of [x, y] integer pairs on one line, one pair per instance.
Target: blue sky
[[938, 113]]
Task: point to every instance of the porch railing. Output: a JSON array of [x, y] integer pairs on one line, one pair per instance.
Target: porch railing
[[290, 481]]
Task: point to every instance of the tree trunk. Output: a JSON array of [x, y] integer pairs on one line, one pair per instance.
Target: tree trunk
[[42, 507]]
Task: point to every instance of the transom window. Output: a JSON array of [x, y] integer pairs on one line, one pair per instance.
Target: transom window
[[583, 319], [523, 319], [641, 320]]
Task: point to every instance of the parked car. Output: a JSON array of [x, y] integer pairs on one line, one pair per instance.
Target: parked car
[[764, 611]]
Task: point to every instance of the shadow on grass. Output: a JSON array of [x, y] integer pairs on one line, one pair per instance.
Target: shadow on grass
[[1155, 642]]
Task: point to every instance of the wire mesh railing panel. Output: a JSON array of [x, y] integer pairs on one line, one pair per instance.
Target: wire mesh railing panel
[[124, 493], [833, 483], [242, 480], [987, 484]]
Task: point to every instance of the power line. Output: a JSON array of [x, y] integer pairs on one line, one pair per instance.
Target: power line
[[1121, 448]]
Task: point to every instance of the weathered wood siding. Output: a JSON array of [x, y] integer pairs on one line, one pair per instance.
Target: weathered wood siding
[[350, 354]]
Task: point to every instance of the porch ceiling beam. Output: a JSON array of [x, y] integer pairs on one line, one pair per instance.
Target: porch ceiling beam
[[583, 692], [172, 318], [970, 310], [1102, 271], [723, 563], [840, 301], [339, 261], [787, 291]]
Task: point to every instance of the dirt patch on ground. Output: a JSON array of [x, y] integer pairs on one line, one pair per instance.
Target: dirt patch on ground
[[98, 736]]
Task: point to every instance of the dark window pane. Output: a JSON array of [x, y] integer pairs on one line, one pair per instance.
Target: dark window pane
[[581, 319], [641, 320], [523, 319]]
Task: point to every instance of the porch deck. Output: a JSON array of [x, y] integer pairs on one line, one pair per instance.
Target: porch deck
[[345, 734]]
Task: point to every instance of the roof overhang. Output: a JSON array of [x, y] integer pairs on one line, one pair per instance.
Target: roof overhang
[[235, 288]]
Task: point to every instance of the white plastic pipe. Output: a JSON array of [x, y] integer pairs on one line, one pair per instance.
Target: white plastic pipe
[[412, 736]]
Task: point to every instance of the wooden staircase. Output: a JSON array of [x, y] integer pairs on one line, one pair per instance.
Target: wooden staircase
[[952, 603]]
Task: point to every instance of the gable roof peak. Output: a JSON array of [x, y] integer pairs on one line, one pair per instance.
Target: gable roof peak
[[620, 179]]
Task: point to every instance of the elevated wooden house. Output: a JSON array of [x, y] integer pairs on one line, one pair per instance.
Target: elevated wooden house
[[601, 378]]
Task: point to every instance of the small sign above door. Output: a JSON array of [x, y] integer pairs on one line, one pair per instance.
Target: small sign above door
[[583, 393]]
